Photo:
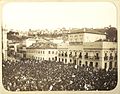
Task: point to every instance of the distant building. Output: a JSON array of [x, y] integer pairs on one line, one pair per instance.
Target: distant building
[[42, 51], [23, 33], [32, 40]]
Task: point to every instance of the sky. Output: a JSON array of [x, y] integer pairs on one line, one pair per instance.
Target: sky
[[52, 15]]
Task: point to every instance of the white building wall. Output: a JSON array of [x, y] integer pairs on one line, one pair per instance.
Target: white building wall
[[85, 37], [41, 54], [92, 48], [90, 37]]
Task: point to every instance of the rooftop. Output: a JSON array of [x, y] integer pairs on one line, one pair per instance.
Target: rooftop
[[41, 45], [87, 30]]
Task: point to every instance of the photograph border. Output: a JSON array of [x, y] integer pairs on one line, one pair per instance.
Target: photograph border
[[116, 90]]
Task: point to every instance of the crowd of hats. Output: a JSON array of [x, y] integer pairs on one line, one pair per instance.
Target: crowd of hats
[[35, 75]]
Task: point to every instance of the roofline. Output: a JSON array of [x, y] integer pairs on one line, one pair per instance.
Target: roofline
[[85, 32], [39, 48]]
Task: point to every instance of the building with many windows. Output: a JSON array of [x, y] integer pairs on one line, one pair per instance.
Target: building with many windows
[[96, 54], [42, 51], [84, 49], [79, 36]]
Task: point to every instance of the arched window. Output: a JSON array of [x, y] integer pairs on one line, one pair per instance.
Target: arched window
[[80, 55], [105, 57]]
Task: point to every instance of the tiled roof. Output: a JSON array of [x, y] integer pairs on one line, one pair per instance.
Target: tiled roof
[[41, 45]]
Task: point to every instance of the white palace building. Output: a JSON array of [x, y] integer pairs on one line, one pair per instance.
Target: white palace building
[[86, 47]]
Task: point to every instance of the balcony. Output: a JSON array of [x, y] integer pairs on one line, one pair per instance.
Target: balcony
[[80, 56], [97, 57], [65, 54], [115, 58], [59, 54], [86, 57], [111, 58], [106, 58], [70, 55], [93, 58]]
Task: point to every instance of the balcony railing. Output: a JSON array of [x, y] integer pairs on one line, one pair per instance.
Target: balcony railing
[[80, 56], [65, 55], [97, 58], [115, 58], [106, 58], [111, 58], [92, 58], [59, 54], [70, 55], [86, 57]]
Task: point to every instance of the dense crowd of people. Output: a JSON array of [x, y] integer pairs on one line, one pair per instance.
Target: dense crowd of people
[[35, 75]]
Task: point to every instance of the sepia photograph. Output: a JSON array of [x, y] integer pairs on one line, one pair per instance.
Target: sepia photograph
[[65, 46]]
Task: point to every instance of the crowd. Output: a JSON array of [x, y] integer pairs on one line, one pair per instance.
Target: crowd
[[35, 75]]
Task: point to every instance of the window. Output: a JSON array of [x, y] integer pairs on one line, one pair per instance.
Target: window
[[96, 64], [80, 62], [70, 55], [111, 57], [48, 52], [43, 52], [52, 52], [105, 65], [75, 53], [65, 60], [62, 54], [59, 59], [66, 54], [97, 56], [52, 58], [70, 60], [75, 62], [59, 54], [91, 64], [80, 55], [86, 56], [115, 64], [110, 65], [105, 57], [56, 58], [115, 56], [62, 59], [86, 63]]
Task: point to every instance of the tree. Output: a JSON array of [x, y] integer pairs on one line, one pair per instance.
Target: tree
[[112, 34]]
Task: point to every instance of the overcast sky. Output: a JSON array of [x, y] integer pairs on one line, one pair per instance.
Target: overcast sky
[[56, 15]]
